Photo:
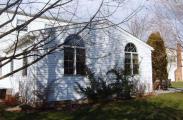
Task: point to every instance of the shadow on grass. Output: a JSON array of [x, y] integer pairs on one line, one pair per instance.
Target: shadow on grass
[[116, 110]]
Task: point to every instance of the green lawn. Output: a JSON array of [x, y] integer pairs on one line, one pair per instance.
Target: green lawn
[[163, 107], [177, 84]]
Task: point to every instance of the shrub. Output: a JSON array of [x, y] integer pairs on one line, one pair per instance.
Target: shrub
[[122, 87], [98, 89], [106, 88]]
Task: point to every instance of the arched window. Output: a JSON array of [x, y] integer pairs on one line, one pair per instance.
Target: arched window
[[74, 55], [131, 60]]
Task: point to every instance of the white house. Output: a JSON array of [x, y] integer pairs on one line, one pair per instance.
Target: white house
[[100, 46], [99, 49], [172, 63], [175, 62]]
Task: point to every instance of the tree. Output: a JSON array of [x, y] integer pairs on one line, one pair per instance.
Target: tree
[[167, 18], [159, 57], [138, 26]]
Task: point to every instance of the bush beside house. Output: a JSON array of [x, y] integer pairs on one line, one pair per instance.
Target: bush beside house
[[114, 85]]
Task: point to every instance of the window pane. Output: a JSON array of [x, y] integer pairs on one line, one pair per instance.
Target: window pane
[[130, 47], [127, 69], [135, 59], [24, 72], [127, 63], [2, 93], [127, 58], [135, 69], [11, 66], [68, 60], [135, 64], [80, 61], [131, 60]]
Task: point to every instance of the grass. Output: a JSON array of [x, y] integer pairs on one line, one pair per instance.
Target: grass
[[163, 107], [177, 84]]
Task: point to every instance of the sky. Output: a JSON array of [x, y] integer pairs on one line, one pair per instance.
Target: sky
[[83, 10], [87, 8]]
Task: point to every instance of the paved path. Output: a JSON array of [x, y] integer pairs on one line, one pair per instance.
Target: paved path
[[170, 90]]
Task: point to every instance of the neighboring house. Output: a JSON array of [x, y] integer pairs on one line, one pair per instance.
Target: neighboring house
[[7, 84], [175, 63], [172, 63], [99, 47]]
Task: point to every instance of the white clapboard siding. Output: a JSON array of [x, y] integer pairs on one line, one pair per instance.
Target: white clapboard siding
[[106, 51]]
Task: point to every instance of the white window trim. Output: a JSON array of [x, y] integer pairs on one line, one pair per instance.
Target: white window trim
[[131, 61], [131, 58], [74, 65]]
